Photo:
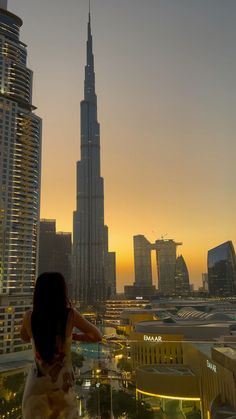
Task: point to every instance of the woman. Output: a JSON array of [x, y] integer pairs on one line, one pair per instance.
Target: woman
[[49, 390]]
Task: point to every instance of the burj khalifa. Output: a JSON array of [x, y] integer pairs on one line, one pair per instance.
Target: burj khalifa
[[94, 271]]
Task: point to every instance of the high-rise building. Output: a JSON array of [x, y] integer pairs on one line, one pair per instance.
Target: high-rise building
[[142, 261], [221, 264], [166, 265], [63, 251], [109, 268], [182, 287], [47, 233], [20, 155], [55, 251], [20, 148], [205, 282], [90, 238], [142, 287]]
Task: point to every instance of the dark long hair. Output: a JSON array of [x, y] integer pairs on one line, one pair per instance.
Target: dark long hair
[[50, 312]]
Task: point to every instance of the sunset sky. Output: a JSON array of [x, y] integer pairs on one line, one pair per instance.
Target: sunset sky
[[165, 80]]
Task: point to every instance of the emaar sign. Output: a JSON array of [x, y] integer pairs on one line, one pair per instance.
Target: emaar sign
[[211, 366], [157, 339]]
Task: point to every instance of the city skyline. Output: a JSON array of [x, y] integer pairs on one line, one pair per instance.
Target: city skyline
[[166, 101]]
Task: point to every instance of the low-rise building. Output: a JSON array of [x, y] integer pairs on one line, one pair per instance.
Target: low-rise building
[[187, 367], [114, 308]]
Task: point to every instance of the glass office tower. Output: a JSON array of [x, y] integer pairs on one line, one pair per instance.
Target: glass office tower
[[182, 286], [222, 270]]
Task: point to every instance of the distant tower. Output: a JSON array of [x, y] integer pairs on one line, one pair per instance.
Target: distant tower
[[166, 264], [47, 235], [55, 251], [63, 251], [20, 149], [205, 282], [181, 277], [3, 4], [221, 264], [142, 261], [93, 265], [142, 286]]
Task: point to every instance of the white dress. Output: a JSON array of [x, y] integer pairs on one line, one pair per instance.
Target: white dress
[[49, 390]]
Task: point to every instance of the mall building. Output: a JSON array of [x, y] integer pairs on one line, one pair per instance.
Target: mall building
[[185, 367]]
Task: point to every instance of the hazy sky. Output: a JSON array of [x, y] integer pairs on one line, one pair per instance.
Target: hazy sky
[[165, 80]]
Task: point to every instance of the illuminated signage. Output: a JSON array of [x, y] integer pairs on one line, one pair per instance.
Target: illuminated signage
[[211, 366], [152, 338]]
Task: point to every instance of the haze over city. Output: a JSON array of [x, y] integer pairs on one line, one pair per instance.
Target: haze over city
[[166, 100]]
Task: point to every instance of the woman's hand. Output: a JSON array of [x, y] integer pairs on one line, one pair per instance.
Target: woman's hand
[[89, 332]]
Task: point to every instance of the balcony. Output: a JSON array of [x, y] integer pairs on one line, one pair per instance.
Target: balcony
[[119, 379]]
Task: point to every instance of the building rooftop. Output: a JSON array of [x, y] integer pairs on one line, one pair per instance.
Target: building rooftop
[[167, 369], [227, 351], [182, 323], [189, 330], [203, 347]]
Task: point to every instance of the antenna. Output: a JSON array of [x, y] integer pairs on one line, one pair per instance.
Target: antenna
[[164, 235]]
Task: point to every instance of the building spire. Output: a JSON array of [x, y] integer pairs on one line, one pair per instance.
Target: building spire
[[89, 85], [89, 23], [89, 18]]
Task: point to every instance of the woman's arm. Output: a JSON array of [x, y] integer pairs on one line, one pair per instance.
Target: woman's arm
[[88, 332], [24, 332]]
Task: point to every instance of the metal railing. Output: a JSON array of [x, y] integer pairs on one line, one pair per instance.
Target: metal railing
[[107, 381]]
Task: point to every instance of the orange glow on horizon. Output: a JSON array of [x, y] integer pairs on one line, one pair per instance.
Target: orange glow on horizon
[[166, 101]]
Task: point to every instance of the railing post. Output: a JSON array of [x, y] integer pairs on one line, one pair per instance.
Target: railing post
[[112, 416]]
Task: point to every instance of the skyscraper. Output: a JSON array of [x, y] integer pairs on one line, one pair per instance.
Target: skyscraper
[[221, 264], [205, 282], [142, 286], [55, 251], [47, 233], [20, 148], [181, 277], [142, 261], [92, 270], [20, 152], [166, 264]]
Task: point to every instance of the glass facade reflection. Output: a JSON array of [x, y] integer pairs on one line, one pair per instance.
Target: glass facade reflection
[[222, 270]]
